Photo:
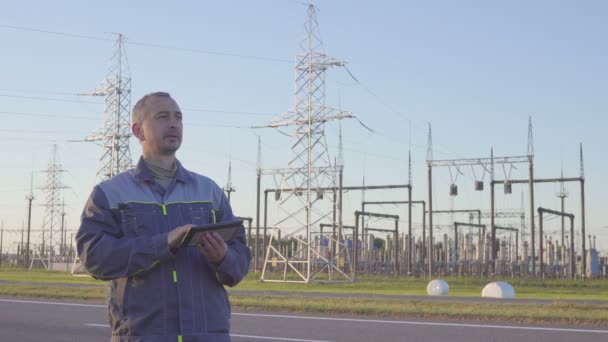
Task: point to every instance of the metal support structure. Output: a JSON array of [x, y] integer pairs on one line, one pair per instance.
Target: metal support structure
[[409, 203], [30, 198], [355, 256], [572, 255], [345, 188], [511, 229], [309, 166], [485, 163], [395, 232], [257, 223], [229, 189], [115, 134], [562, 195], [410, 254], [62, 244], [456, 211], [584, 256], [492, 209], [430, 247], [1, 241], [339, 208], [53, 207], [463, 224], [339, 190], [581, 180], [541, 211], [265, 223], [257, 207]]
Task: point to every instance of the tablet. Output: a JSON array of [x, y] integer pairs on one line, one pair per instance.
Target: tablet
[[226, 230]]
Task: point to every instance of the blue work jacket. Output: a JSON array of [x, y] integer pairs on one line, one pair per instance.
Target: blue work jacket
[[157, 293]]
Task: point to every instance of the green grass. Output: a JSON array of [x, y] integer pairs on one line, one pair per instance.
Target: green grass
[[21, 275], [557, 313], [53, 292], [34, 285], [460, 287]]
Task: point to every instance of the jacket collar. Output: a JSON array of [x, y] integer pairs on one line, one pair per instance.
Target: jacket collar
[[143, 173]]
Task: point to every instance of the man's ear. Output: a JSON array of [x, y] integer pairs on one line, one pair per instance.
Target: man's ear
[[138, 131]]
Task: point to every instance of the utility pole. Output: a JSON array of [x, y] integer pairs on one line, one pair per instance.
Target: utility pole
[[562, 194], [1, 241], [229, 188], [531, 189], [20, 252], [62, 244], [257, 207], [429, 160], [30, 198], [584, 251]]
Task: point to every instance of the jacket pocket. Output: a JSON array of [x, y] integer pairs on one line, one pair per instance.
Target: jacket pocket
[[197, 213], [138, 219]]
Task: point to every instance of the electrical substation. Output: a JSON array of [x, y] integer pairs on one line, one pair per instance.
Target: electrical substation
[[299, 230]]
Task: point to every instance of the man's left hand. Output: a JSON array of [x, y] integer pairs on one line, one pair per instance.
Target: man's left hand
[[213, 247]]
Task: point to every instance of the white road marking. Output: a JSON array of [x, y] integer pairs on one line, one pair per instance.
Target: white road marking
[[358, 320], [463, 325], [275, 338], [53, 303], [235, 335]]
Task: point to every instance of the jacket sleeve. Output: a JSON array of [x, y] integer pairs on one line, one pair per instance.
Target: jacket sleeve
[[104, 250], [235, 265]]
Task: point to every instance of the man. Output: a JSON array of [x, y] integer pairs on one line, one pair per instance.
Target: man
[[131, 230]]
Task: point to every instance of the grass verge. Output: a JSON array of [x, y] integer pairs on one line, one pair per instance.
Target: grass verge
[[556, 313], [31, 284]]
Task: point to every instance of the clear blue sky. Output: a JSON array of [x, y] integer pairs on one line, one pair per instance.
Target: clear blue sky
[[476, 70]]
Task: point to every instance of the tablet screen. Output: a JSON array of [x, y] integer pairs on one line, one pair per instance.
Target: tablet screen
[[226, 230]]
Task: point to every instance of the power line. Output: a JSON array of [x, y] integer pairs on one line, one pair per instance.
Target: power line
[[38, 91], [47, 115], [55, 116], [47, 99], [396, 112], [216, 53], [229, 112], [209, 52], [92, 102], [8, 130], [217, 125], [72, 35], [150, 45]]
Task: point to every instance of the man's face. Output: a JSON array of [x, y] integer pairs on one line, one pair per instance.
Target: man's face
[[160, 131]]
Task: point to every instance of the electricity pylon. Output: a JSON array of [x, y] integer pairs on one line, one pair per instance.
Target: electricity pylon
[[116, 131], [301, 203], [53, 211]]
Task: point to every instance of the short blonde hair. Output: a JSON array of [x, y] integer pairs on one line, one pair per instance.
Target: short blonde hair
[[139, 109]]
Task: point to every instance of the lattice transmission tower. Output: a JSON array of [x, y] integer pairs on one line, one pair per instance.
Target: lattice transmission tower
[[51, 238], [116, 131], [296, 251]]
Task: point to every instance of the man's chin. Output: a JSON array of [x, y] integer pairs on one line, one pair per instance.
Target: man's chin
[[171, 148]]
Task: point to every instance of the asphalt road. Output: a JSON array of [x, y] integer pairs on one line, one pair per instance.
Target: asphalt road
[[42, 320]]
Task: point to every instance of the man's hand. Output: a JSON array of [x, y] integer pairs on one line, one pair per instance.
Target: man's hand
[[177, 235], [213, 247]]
